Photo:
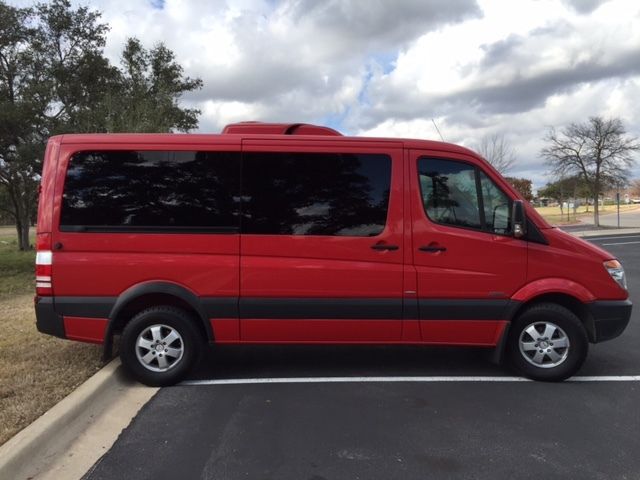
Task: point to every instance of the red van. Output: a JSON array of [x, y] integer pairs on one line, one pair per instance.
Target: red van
[[272, 233]]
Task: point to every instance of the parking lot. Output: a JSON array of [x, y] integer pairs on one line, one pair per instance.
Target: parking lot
[[429, 426]]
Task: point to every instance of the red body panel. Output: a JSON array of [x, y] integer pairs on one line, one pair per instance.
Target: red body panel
[[115, 262], [572, 266], [281, 267], [225, 330], [47, 186], [89, 330]]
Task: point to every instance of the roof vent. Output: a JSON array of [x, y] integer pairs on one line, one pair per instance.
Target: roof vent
[[279, 129]]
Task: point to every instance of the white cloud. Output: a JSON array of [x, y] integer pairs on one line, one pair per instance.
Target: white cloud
[[520, 68], [387, 68]]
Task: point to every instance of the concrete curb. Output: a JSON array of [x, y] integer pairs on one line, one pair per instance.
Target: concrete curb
[[34, 449], [23, 446], [605, 232]]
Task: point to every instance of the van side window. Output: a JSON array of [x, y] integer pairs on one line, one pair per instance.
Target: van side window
[[112, 191], [449, 192], [315, 193], [497, 206]]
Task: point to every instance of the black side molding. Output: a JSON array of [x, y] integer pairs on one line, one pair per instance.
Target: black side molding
[[325, 308], [47, 319], [456, 309], [89, 307]]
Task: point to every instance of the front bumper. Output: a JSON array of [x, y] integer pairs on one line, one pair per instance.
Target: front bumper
[[610, 318], [47, 320]]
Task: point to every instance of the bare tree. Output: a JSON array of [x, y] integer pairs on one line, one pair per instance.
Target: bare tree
[[635, 188], [598, 150], [498, 152]]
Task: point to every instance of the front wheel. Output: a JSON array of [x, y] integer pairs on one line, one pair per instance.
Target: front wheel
[[160, 345], [547, 342]]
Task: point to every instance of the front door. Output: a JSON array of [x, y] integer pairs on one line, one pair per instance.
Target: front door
[[467, 262], [321, 244]]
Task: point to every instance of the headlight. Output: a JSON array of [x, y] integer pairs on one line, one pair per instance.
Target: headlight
[[617, 272]]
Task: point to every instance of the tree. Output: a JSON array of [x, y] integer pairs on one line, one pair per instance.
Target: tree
[[20, 116], [147, 92], [498, 152], [635, 188], [565, 188], [523, 186], [68, 48], [598, 150], [51, 67], [55, 79]]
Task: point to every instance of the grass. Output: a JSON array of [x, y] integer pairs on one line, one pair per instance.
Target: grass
[[553, 215], [36, 370], [16, 267]]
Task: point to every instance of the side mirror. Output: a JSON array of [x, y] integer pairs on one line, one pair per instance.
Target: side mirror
[[519, 219]]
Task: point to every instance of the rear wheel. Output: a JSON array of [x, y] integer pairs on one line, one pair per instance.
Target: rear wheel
[[547, 342], [160, 345]]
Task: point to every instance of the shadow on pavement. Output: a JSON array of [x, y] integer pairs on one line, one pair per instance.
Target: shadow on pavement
[[320, 360]]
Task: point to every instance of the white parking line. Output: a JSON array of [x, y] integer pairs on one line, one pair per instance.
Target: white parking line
[[620, 243], [436, 379]]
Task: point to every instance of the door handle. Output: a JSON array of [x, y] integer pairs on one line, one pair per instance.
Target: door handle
[[432, 248], [384, 246]]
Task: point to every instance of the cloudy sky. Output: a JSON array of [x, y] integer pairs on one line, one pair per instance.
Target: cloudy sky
[[388, 67]]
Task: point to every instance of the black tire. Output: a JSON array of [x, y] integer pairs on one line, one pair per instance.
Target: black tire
[[179, 355], [560, 363]]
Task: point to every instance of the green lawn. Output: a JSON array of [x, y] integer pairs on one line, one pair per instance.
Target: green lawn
[[553, 215], [16, 268]]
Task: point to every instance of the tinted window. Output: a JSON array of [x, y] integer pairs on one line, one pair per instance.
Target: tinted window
[[159, 190], [449, 192], [315, 193], [497, 206]]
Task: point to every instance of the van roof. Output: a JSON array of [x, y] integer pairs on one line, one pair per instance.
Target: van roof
[[234, 134]]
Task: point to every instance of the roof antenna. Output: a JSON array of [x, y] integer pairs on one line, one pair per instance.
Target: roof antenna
[[437, 129]]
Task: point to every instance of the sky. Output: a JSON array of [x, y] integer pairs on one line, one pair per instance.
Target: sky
[[394, 67]]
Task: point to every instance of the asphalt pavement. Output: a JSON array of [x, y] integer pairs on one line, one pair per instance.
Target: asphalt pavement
[[629, 219], [384, 430]]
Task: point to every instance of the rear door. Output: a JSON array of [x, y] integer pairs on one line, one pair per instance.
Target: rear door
[[467, 262], [321, 243]]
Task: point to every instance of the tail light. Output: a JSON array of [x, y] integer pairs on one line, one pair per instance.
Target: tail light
[[44, 260]]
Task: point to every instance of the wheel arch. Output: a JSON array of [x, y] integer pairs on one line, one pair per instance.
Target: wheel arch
[[143, 295], [568, 301], [566, 293]]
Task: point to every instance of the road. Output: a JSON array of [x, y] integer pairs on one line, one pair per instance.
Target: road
[[382, 430], [629, 219]]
